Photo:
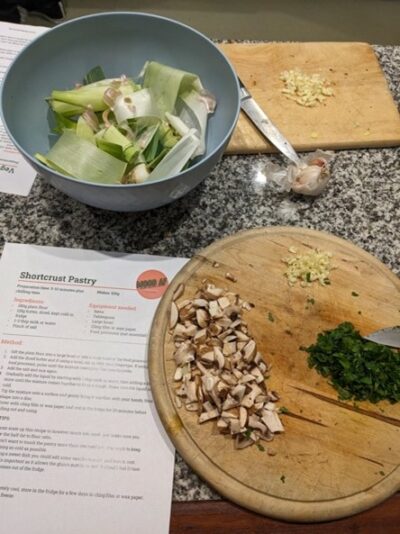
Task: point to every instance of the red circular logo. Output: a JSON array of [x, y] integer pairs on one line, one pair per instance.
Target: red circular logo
[[151, 284]]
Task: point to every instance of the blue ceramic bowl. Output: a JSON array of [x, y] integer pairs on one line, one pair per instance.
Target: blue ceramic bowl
[[121, 43]]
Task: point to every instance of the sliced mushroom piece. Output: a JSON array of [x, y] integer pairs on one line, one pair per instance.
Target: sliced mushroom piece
[[242, 442], [273, 396], [212, 292], [230, 414], [263, 368], [247, 378], [234, 426], [225, 322], [208, 407], [184, 354], [249, 351], [248, 400], [200, 303], [271, 419], [219, 357], [242, 416], [202, 318], [238, 392], [257, 374], [233, 312], [230, 402], [173, 316], [231, 277], [207, 416], [271, 406], [241, 336], [214, 309], [192, 406], [229, 348], [178, 402], [222, 424], [229, 379], [214, 329], [208, 357], [238, 374], [178, 374], [181, 392], [217, 401], [183, 303], [223, 302], [191, 393], [255, 422], [200, 337]]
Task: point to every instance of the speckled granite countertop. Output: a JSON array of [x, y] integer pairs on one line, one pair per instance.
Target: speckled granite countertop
[[361, 204]]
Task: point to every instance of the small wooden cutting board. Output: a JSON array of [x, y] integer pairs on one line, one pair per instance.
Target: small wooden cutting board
[[335, 458], [362, 113]]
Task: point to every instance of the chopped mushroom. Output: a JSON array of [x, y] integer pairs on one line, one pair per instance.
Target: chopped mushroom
[[220, 373]]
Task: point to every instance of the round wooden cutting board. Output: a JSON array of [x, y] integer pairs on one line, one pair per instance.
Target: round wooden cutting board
[[335, 458]]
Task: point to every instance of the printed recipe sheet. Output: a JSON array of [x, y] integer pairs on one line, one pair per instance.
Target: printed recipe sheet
[[81, 448]]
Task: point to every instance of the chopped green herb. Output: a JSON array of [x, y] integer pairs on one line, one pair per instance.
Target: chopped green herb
[[382, 473], [288, 332], [247, 433], [354, 294], [327, 282], [308, 277], [357, 369], [283, 409], [283, 478], [271, 317], [260, 447]]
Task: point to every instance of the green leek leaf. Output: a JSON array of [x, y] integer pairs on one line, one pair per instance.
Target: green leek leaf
[[94, 75], [83, 160]]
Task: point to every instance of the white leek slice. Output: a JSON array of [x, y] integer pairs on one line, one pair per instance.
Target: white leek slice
[[177, 157], [194, 113], [83, 160], [137, 104], [177, 124], [166, 83]]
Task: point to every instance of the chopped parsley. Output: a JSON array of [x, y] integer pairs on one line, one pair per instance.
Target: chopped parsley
[[283, 478], [310, 300], [357, 369], [308, 277], [260, 447], [247, 433], [283, 409], [271, 317]]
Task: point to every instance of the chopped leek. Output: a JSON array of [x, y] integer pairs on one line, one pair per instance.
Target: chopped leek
[[114, 130]]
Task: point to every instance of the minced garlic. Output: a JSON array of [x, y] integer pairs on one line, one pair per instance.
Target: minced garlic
[[304, 89], [310, 267]]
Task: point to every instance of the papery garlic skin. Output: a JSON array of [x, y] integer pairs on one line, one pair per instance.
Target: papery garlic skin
[[310, 179]]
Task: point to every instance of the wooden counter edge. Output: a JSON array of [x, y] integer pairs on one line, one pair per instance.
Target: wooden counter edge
[[223, 517]]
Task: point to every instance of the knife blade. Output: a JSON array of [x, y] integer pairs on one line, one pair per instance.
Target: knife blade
[[386, 336], [264, 124]]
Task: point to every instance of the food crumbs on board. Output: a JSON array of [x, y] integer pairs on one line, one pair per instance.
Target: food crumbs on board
[[354, 294], [314, 135], [359, 312], [271, 317], [283, 479], [382, 473]]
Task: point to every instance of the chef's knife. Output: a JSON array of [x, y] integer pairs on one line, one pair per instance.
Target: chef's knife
[[386, 336], [264, 125]]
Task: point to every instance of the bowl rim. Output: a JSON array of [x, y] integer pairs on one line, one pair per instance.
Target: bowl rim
[[106, 14]]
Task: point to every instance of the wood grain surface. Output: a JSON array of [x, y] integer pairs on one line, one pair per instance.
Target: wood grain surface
[[221, 517], [337, 458], [361, 114]]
